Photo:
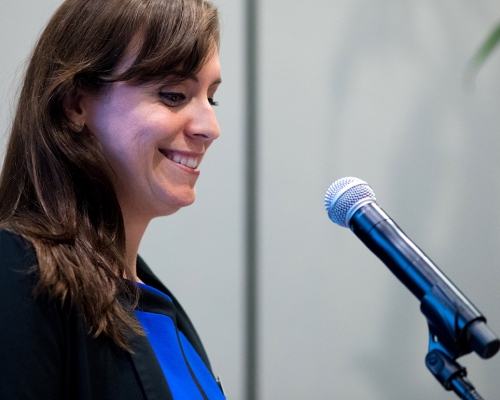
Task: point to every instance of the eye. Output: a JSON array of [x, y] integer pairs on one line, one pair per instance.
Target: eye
[[172, 99], [212, 102]]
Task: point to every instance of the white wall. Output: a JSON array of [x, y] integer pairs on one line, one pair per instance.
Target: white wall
[[368, 89], [373, 89]]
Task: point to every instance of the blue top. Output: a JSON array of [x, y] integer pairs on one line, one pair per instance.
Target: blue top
[[186, 373]]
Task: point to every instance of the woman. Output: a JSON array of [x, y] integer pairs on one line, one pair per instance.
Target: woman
[[113, 119]]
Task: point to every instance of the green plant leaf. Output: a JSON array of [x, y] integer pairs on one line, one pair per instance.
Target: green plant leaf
[[486, 49]]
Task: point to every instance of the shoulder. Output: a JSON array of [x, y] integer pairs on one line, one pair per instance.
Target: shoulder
[[15, 251], [18, 277], [24, 314], [17, 259], [32, 328]]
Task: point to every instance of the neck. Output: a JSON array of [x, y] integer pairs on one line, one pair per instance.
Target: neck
[[134, 231]]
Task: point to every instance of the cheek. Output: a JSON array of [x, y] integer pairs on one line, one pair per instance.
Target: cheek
[[129, 133], [131, 152], [127, 150], [124, 132]]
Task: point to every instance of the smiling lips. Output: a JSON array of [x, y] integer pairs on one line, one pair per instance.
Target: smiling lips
[[189, 161]]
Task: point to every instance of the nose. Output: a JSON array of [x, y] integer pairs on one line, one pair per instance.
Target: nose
[[203, 124]]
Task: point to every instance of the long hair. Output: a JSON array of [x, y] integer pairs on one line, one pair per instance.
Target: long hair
[[56, 186]]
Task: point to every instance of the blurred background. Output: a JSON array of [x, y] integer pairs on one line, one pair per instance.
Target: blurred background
[[372, 89]]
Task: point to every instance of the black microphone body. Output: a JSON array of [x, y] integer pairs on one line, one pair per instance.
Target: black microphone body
[[456, 325], [386, 240]]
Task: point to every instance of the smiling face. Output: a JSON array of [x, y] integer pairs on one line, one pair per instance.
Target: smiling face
[[154, 136]]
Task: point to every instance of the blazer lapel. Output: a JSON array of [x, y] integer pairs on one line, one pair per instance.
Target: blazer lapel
[[148, 369]]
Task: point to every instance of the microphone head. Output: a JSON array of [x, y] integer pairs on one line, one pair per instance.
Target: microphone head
[[344, 197]]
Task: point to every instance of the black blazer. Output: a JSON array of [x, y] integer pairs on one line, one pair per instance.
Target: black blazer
[[47, 353]]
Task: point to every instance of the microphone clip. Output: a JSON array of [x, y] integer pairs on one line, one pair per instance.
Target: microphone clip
[[451, 375], [456, 327], [453, 332]]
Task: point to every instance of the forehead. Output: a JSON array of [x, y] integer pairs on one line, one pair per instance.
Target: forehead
[[210, 71], [131, 53]]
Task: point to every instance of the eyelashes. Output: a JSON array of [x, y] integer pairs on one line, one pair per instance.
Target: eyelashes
[[173, 99]]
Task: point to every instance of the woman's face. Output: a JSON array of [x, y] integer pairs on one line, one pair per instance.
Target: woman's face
[[154, 137]]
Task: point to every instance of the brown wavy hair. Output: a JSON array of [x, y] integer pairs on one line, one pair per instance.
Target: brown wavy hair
[[56, 186]]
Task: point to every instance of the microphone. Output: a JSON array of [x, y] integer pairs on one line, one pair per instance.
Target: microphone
[[456, 325]]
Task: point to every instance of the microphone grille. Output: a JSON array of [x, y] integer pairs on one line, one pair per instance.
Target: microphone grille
[[344, 197]]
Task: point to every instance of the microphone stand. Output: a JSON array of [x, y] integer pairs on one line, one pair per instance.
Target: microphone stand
[[456, 327], [451, 375], [451, 337]]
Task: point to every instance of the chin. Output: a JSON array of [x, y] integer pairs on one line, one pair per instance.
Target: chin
[[179, 202]]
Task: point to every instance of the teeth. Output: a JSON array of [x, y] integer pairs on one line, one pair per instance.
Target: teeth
[[190, 162]]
